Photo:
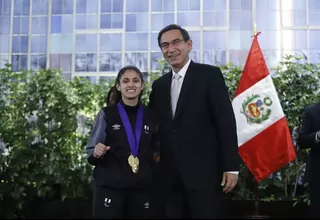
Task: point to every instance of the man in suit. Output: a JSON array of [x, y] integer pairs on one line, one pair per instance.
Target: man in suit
[[309, 138], [199, 147]]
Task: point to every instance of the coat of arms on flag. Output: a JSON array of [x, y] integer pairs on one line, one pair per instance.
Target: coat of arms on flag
[[257, 108]]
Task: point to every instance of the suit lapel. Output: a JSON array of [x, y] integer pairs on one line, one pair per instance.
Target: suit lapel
[[167, 94], [186, 88]]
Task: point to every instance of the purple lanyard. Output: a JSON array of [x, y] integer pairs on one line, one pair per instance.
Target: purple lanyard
[[133, 140]]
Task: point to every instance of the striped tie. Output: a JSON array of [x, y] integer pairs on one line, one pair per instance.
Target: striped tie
[[175, 92]]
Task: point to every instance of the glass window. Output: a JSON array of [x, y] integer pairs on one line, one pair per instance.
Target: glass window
[[4, 25], [214, 40], [117, 21], [294, 39], [20, 44], [19, 62], [136, 41], [81, 21], [214, 5], [182, 5], [5, 7], [92, 6], [314, 39], [4, 44], [21, 7], [56, 24], [142, 22], [105, 21], [38, 62], [110, 62], [314, 4], [137, 6], [194, 5], [158, 21], [67, 7], [86, 42], [81, 6], [138, 59], [215, 19], [293, 5], [315, 56], [272, 57], [156, 5], [62, 61], [67, 24], [190, 19], [56, 6], [39, 7], [131, 22], [92, 22], [117, 6], [265, 5], [314, 18], [195, 55], [61, 43], [238, 57], [168, 5], [4, 59], [266, 43], [39, 44], [268, 20], [39, 25], [105, 6], [217, 57], [154, 42], [86, 62], [111, 42], [239, 40], [241, 20], [195, 37], [294, 18], [155, 58]]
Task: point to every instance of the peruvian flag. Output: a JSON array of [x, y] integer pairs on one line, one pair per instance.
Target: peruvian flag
[[264, 139]]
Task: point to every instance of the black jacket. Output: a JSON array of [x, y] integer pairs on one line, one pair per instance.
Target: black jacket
[[113, 169], [200, 142]]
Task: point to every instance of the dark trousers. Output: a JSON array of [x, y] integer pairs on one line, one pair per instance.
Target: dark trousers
[[181, 203], [110, 203], [314, 190]]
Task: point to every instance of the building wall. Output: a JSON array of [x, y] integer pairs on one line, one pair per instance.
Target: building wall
[[94, 38]]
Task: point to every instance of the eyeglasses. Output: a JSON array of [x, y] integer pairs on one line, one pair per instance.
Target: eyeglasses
[[175, 42]]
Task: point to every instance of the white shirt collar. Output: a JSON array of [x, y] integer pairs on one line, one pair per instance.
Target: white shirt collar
[[183, 70]]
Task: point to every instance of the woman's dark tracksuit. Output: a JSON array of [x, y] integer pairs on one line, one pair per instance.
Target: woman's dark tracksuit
[[118, 192]]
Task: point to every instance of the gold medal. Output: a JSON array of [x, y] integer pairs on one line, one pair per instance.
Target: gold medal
[[134, 163]]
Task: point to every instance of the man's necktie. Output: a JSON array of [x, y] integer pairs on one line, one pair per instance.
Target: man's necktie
[[175, 92]]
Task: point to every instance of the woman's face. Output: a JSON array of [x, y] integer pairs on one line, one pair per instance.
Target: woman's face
[[130, 85]]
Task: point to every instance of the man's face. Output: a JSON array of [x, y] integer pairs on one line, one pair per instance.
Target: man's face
[[175, 50]]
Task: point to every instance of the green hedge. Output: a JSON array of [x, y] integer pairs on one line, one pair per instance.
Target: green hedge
[[45, 122]]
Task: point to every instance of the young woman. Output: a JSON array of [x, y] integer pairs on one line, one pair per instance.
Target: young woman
[[123, 147]]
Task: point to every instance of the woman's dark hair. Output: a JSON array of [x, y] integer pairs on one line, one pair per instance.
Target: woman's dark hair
[[114, 95]]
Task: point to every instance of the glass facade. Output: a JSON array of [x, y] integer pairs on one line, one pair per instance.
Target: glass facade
[[94, 38]]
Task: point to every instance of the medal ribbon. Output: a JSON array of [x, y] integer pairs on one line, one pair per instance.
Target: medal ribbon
[[133, 140]]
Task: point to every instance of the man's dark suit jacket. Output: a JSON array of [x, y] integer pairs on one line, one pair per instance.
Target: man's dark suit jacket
[[200, 142], [308, 129]]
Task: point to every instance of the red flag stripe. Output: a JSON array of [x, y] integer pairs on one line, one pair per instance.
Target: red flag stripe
[[269, 151], [255, 68]]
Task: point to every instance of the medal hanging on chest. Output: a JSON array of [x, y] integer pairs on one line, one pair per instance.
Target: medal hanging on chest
[[133, 138]]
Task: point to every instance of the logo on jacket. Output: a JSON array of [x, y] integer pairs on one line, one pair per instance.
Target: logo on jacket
[[116, 127], [146, 205], [256, 109], [107, 202], [146, 129]]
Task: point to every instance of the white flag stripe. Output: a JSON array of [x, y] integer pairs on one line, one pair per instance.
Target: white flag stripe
[[264, 88]]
